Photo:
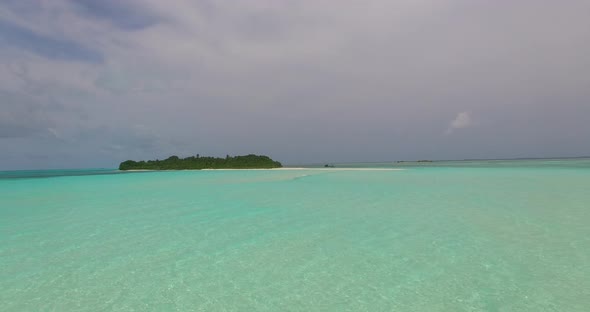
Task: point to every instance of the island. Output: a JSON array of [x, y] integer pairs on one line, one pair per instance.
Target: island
[[199, 162]]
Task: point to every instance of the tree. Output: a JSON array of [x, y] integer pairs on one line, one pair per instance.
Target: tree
[[175, 163]]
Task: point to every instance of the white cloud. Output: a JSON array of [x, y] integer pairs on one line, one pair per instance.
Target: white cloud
[[463, 120]]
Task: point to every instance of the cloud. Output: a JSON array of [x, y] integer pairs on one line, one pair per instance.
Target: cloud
[[14, 36], [218, 77], [122, 14], [463, 120], [22, 116]]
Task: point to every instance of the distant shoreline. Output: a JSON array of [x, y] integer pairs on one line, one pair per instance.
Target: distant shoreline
[[198, 162], [274, 169]]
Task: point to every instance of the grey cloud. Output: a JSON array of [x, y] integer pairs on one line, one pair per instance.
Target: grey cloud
[[21, 117], [13, 35], [120, 13], [314, 81]]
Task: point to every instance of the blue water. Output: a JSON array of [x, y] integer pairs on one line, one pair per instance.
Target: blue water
[[465, 236], [24, 174]]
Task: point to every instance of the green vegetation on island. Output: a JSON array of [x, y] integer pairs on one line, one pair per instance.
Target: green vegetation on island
[[197, 162]]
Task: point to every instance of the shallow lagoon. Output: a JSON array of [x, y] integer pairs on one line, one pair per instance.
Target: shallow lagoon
[[428, 238]]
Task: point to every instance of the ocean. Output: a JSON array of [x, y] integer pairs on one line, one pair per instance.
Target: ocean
[[442, 236]]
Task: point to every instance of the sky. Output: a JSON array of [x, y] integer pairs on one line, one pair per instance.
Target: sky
[[88, 84]]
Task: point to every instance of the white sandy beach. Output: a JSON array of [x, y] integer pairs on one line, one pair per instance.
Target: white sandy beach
[[281, 169], [320, 169]]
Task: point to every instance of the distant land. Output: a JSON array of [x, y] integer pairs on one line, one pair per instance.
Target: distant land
[[199, 162]]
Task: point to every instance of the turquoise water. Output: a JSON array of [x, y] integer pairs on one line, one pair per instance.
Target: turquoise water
[[429, 238]]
